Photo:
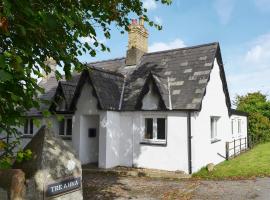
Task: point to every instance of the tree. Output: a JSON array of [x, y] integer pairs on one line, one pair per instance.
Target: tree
[[33, 30], [258, 108]]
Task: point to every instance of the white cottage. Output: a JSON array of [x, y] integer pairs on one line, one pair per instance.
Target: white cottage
[[166, 110]]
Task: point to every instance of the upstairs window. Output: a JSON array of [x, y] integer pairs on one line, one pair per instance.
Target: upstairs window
[[65, 127], [214, 128], [155, 130], [28, 127]]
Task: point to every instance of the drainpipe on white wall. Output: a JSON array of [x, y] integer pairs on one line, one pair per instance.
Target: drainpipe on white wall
[[132, 142], [169, 90], [189, 137]]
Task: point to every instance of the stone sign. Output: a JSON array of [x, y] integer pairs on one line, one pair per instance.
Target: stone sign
[[55, 171], [64, 186]]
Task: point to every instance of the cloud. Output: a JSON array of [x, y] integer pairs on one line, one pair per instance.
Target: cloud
[[150, 4], [245, 82], [160, 46], [258, 55], [158, 20], [263, 5], [224, 9], [91, 40], [250, 71]]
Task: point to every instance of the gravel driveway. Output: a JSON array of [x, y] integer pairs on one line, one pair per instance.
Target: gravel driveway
[[108, 186]]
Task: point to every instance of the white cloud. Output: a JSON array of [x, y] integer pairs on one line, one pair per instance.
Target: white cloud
[[250, 71], [160, 46], [224, 9], [258, 54], [263, 5], [150, 4], [245, 82], [158, 20], [91, 40]]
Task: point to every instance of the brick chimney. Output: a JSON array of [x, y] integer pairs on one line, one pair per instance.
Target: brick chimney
[[50, 62], [137, 42]]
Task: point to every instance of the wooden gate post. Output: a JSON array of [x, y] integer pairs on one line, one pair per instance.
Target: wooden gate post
[[234, 148], [227, 150]]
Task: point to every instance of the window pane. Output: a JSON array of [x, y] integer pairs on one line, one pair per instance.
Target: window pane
[[62, 127], [161, 128], [148, 128], [25, 126], [31, 126], [212, 128], [239, 126], [69, 127], [232, 125]]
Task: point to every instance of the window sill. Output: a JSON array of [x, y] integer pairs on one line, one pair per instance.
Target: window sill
[[154, 143], [215, 141], [66, 137], [27, 136]]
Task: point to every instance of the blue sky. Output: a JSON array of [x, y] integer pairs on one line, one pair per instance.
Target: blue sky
[[242, 27]]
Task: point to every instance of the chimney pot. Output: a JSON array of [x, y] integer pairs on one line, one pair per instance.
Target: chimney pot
[[141, 21], [137, 42], [134, 21]]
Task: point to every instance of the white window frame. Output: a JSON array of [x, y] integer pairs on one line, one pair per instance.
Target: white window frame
[[233, 121], [214, 135], [239, 128], [155, 140], [29, 127], [65, 127]]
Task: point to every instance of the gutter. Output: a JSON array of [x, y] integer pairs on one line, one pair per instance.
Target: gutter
[[189, 137]]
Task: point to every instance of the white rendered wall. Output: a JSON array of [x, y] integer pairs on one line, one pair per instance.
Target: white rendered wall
[[89, 153], [125, 133], [214, 104], [150, 100], [171, 157], [87, 108]]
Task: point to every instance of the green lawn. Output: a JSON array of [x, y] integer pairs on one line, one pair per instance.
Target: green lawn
[[253, 163]]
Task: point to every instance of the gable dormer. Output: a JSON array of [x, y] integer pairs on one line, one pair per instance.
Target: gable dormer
[[150, 96]]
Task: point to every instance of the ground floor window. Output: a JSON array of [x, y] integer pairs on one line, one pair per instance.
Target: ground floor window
[[214, 128], [239, 126], [155, 130], [28, 126], [65, 127], [236, 127]]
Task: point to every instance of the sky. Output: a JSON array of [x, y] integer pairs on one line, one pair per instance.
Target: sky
[[242, 27]]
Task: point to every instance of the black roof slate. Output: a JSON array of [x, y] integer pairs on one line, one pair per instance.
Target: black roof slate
[[181, 76]]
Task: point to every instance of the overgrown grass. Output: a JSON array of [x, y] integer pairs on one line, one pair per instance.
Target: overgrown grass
[[254, 163]]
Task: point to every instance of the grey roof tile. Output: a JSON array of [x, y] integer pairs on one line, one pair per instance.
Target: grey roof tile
[[168, 68]]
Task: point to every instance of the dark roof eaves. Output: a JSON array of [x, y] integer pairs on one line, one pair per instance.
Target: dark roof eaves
[[238, 112]]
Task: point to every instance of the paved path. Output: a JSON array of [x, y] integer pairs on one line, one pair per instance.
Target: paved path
[[108, 186]]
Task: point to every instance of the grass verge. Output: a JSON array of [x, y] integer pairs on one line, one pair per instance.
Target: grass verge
[[253, 163]]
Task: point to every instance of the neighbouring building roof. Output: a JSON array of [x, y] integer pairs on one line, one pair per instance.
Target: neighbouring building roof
[[179, 75]]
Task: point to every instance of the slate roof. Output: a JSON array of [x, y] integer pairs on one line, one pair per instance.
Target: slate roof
[[179, 75], [107, 87], [183, 73]]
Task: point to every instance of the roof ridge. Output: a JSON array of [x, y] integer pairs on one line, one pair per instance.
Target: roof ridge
[[108, 60], [106, 71], [183, 48]]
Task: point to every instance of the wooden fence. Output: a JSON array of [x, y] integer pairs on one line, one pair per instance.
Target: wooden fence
[[236, 147]]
